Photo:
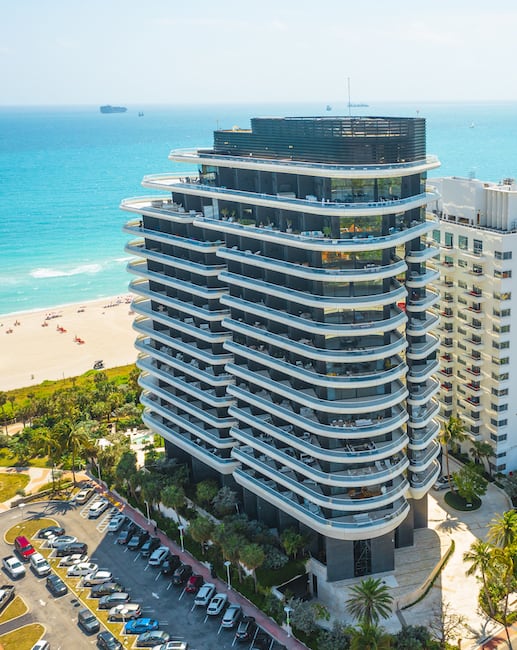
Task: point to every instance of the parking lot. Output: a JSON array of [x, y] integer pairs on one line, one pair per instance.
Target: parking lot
[[159, 598]]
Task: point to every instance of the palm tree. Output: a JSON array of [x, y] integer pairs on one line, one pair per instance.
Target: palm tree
[[76, 439], [480, 557], [50, 445], [370, 637], [452, 434], [173, 496], [369, 601], [252, 556], [482, 450], [503, 530]]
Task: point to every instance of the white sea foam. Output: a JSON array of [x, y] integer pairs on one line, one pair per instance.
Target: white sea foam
[[59, 273]]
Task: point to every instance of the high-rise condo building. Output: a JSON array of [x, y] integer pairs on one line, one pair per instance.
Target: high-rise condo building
[[477, 235], [285, 332]]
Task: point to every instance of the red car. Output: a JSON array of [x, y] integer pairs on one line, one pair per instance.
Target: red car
[[194, 582]]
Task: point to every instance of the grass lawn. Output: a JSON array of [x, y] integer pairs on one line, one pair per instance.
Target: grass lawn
[[16, 608], [11, 483], [454, 500], [28, 528], [23, 638], [7, 460]]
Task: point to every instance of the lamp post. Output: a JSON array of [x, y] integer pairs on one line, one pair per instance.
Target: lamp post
[[288, 611], [181, 528], [228, 564], [148, 517]]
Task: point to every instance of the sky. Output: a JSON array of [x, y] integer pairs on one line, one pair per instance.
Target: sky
[[69, 52]]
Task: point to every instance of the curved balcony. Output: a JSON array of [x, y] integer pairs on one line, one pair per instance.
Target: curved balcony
[[351, 427], [351, 527], [420, 326], [139, 268], [162, 207], [307, 397], [421, 303], [177, 183], [420, 438], [305, 347], [201, 247], [307, 444], [420, 460], [298, 270], [422, 415], [208, 457], [314, 327], [424, 253], [420, 393], [140, 250], [421, 350], [326, 170], [351, 378], [422, 371], [421, 483], [417, 280]]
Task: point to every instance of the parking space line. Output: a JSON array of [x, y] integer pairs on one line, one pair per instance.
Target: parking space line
[[169, 586], [157, 576], [182, 594]]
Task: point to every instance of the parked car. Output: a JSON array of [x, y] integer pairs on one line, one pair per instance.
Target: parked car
[[97, 591], [151, 638], [138, 540], [106, 641], [124, 612], [50, 531], [23, 548], [39, 565], [181, 575], [88, 621], [140, 625], [71, 549], [116, 598], [194, 583], [176, 644], [217, 604], [159, 556], [13, 566], [205, 594], [232, 616], [97, 577], [6, 595], [61, 540], [116, 523], [83, 496], [149, 546], [81, 569], [443, 482], [170, 565], [70, 560], [56, 586], [261, 641], [97, 508], [125, 535], [42, 644], [246, 629]]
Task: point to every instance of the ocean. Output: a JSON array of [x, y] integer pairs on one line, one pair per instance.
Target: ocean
[[64, 171]]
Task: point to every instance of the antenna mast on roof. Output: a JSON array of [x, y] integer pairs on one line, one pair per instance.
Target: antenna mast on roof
[[349, 103]]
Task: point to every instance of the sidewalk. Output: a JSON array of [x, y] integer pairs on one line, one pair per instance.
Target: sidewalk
[[264, 621]]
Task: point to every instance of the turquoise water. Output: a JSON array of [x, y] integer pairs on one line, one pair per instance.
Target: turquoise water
[[64, 171]]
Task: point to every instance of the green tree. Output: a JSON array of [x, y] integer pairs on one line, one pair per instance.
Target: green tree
[[470, 482], [201, 530], [206, 491], [503, 530], [252, 557], [3, 401], [76, 440], [482, 450], [369, 601], [225, 501], [370, 636], [50, 445], [452, 434], [126, 471], [413, 637], [338, 638], [480, 557], [292, 542], [173, 496]]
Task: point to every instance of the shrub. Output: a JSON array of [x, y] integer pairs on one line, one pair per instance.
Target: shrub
[[275, 559]]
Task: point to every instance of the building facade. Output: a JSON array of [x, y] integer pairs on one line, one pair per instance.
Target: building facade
[[477, 236], [285, 331]]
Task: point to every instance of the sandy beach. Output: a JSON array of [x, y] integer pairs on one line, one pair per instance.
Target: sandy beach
[[65, 341]]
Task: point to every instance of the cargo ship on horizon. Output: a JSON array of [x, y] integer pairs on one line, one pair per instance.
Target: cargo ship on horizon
[[113, 109]]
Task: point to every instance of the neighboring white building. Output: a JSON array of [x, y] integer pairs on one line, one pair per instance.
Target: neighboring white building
[[477, 237]]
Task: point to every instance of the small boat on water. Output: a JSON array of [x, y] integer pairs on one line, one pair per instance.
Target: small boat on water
[[113, 109], [140, 114], [329, 107]]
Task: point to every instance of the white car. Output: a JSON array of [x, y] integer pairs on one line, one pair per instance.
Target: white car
[[81, 569], [97, 508], [124, 612], [172, 645], [217, 604], [83, 496], [76, 558], [159, 556], [98, 577], [41, 645], [39, 565], [116, 523], [205, 594], [14, 567], [57, 542]]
